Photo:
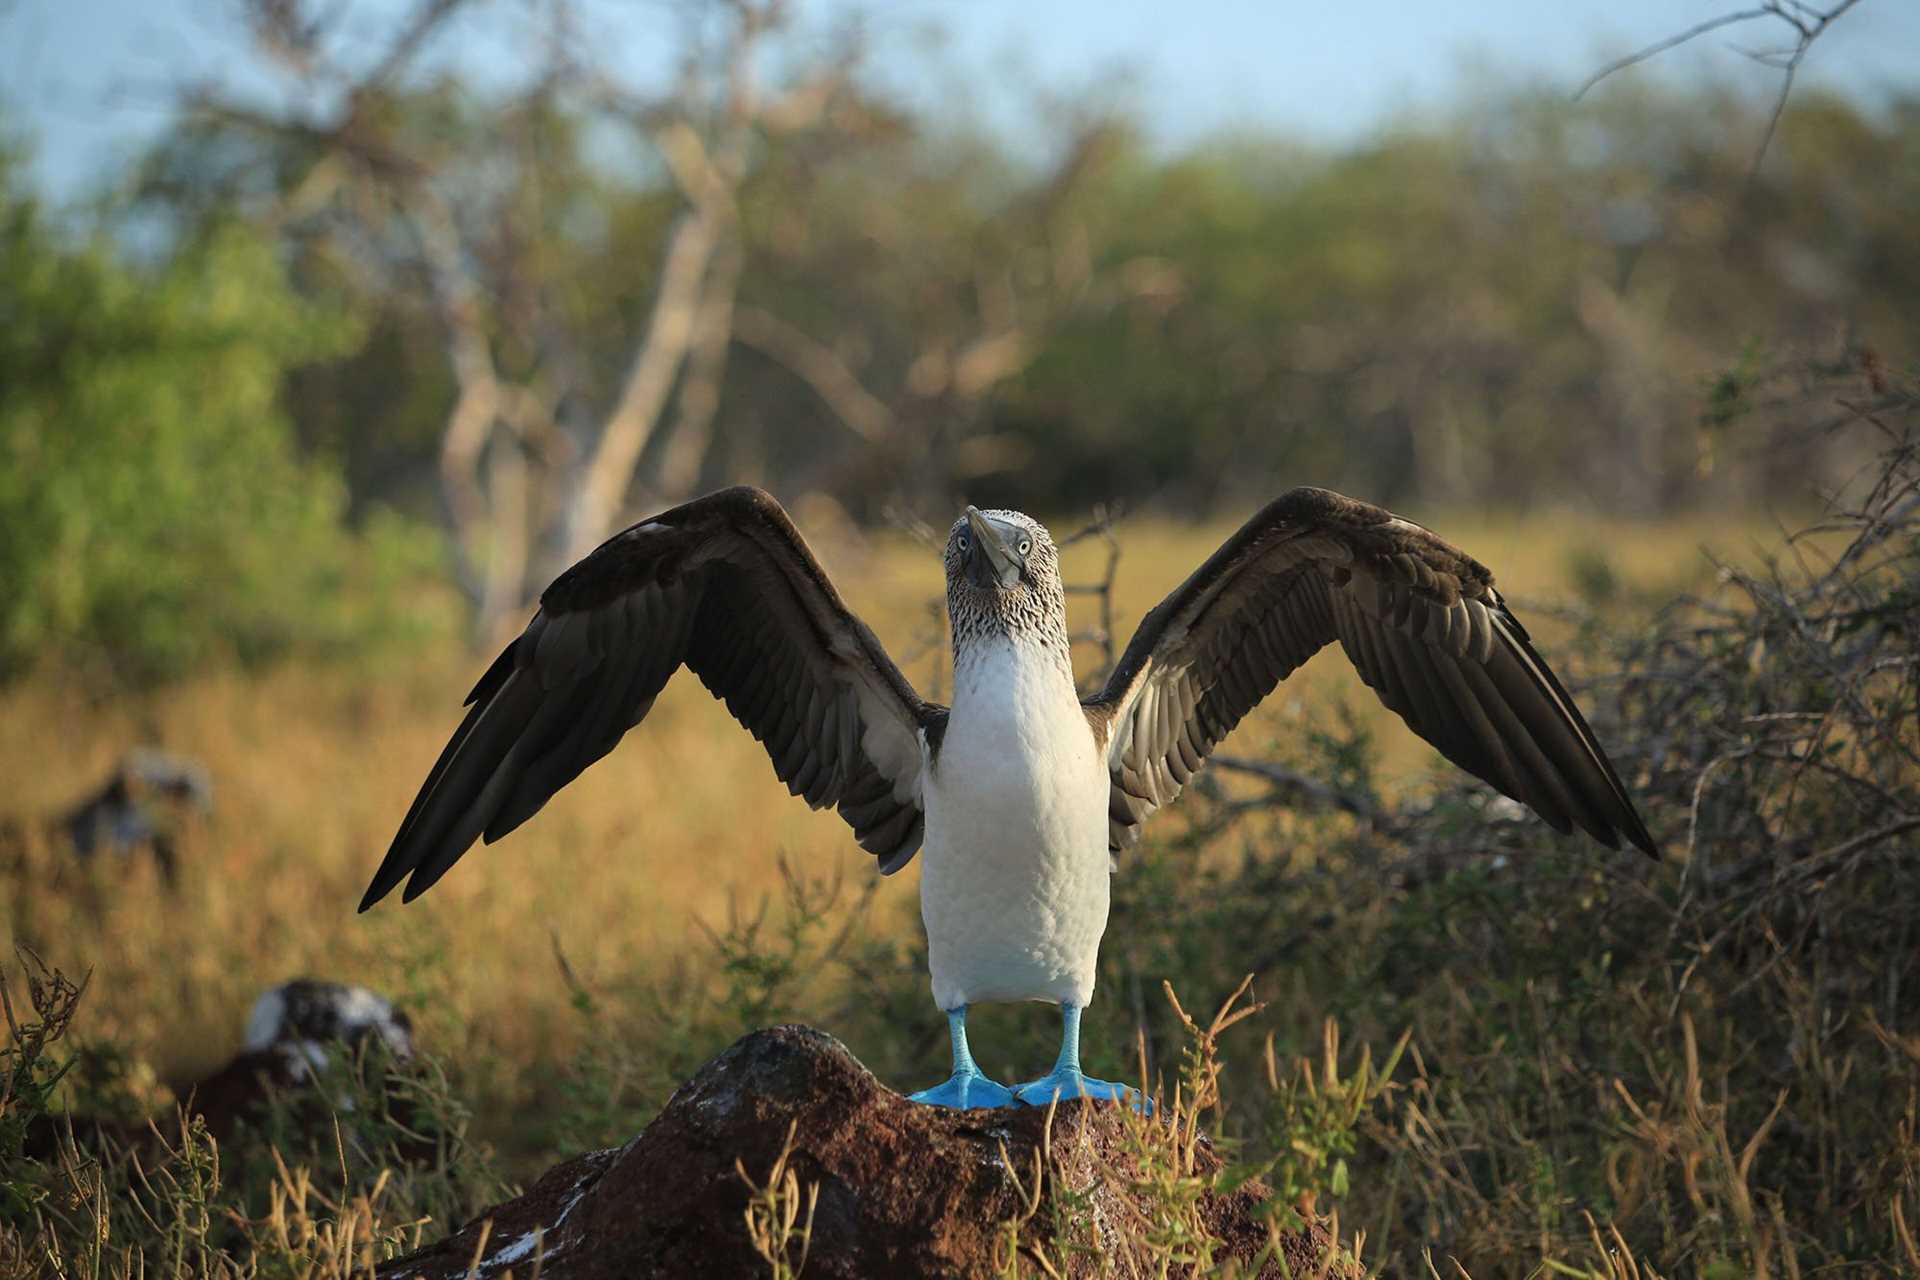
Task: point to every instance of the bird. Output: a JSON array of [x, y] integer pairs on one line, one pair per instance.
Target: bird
[[299, 1018], [1021, 795], [139, 807]]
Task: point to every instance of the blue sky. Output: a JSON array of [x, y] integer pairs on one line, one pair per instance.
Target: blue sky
[[90, 80]]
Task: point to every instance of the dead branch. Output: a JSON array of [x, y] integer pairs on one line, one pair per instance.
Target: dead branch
[[1101, 590], [1806, 23], [692, 317], [1292, 788], [815, 364], [489, 557], [656, 362]]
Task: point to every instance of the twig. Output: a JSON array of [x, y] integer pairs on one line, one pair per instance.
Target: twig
[[1671, 42], [1808, 24], [815, 364], [1101, 527], [1313, 789]]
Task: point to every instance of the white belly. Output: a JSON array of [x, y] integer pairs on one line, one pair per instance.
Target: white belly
[[1014, 885]]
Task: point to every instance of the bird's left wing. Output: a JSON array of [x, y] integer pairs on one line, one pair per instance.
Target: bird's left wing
[[726, 585], [1420, 621]]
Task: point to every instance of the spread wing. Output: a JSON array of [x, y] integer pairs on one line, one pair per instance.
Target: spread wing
[[1419, 619], [726, 585]]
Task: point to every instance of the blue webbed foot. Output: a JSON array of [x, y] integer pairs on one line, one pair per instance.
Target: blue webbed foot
[[1067, 1084], [965, 1091]]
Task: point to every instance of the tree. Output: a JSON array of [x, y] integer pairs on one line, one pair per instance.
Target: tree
[[157, 515], [588, 319], [446, 195], [588, 297]]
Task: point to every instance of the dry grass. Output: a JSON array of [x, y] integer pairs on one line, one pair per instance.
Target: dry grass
[[314, 766], [1614, 1070]]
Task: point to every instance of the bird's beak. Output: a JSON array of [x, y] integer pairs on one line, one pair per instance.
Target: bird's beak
[[989, 562]]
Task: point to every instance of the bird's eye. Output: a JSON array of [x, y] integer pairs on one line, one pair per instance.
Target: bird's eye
[[1026, 545], [963, 543]]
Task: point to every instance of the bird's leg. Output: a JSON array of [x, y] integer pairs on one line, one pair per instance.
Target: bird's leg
[[966, 1088], [1065, 1080]]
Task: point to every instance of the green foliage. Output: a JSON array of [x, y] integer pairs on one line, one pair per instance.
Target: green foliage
[[1707, 1065], [158, 516], [1521, 300], [1314, 1115], [30, 1076], [1728, 395]]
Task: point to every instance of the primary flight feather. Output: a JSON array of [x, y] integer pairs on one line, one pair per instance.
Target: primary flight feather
[[1020, 791]]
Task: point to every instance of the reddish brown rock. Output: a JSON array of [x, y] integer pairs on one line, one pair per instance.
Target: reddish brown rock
[[904, 1190]]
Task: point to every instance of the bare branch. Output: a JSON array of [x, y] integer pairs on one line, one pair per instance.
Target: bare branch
[[1101, 527], [426, 19], [1807, 23], [1298, 786], [1779, 109], [815, 363], [990, 360], [669, 332], [703, 182], [693, 307], [699, 399], [490, 556], [1671, 42], [285, 32], [402, 203]]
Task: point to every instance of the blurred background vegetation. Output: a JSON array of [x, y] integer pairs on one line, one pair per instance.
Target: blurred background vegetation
[[410, 307], [324, 389]]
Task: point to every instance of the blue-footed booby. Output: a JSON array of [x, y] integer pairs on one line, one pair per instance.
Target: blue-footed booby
[[1021, 793]]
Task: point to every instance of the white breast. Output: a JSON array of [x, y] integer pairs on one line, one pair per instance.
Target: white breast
[[1014, 884]]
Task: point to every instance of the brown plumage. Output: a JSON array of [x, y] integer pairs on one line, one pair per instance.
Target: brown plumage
[[1419, 619], [726, 585]]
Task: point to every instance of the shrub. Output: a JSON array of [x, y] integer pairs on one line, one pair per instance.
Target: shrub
[[158, 517]]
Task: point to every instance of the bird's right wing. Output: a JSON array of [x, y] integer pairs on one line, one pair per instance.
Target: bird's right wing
[[726, 585]]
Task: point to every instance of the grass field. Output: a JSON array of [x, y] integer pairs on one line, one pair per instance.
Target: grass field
[[315, 766], [1715, 1057]]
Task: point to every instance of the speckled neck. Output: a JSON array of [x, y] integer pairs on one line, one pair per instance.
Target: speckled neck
[[1033, 615]]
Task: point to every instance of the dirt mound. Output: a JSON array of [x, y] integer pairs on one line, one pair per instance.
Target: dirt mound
[[903, 1189]]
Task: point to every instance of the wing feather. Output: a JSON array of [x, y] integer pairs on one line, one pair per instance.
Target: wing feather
[[725, 586], [1422, 624]]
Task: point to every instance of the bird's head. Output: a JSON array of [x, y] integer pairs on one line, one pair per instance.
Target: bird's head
[[1002, 567]]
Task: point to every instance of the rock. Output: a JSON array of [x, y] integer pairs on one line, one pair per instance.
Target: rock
[[904, 1189]]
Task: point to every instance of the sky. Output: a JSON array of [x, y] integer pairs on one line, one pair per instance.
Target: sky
[[90, 82]]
